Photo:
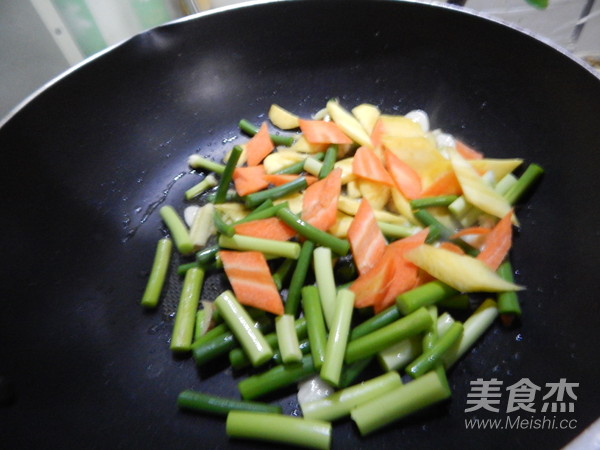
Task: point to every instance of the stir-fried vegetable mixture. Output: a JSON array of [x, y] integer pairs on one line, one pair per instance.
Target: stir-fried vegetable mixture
[[348, 239]]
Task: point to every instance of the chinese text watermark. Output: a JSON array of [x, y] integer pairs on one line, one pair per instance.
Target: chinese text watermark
[[524, 396]]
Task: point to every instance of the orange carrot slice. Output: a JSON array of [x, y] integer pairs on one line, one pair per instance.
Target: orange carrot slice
[[470, 231], [259, 146], [319, 204], [497, 243], [467, 152], [405, 275], [251, 280], [446, 184], [370, 288], [391, 276], [279, 179], [377, 134], [367, 165], [406, 179], [452, 248], [322, 132], [366, 239], [270, 228], [249, 179], [423, 277]]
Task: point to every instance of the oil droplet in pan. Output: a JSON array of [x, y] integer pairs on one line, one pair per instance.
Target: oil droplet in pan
[[130, 231]]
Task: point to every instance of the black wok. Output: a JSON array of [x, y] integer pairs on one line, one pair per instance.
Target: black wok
[[85, 161]]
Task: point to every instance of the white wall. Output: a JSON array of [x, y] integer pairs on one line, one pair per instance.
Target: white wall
[[28, 57], [33, 52]]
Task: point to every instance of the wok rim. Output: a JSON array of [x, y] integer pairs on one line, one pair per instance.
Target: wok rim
[[251, 3]]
